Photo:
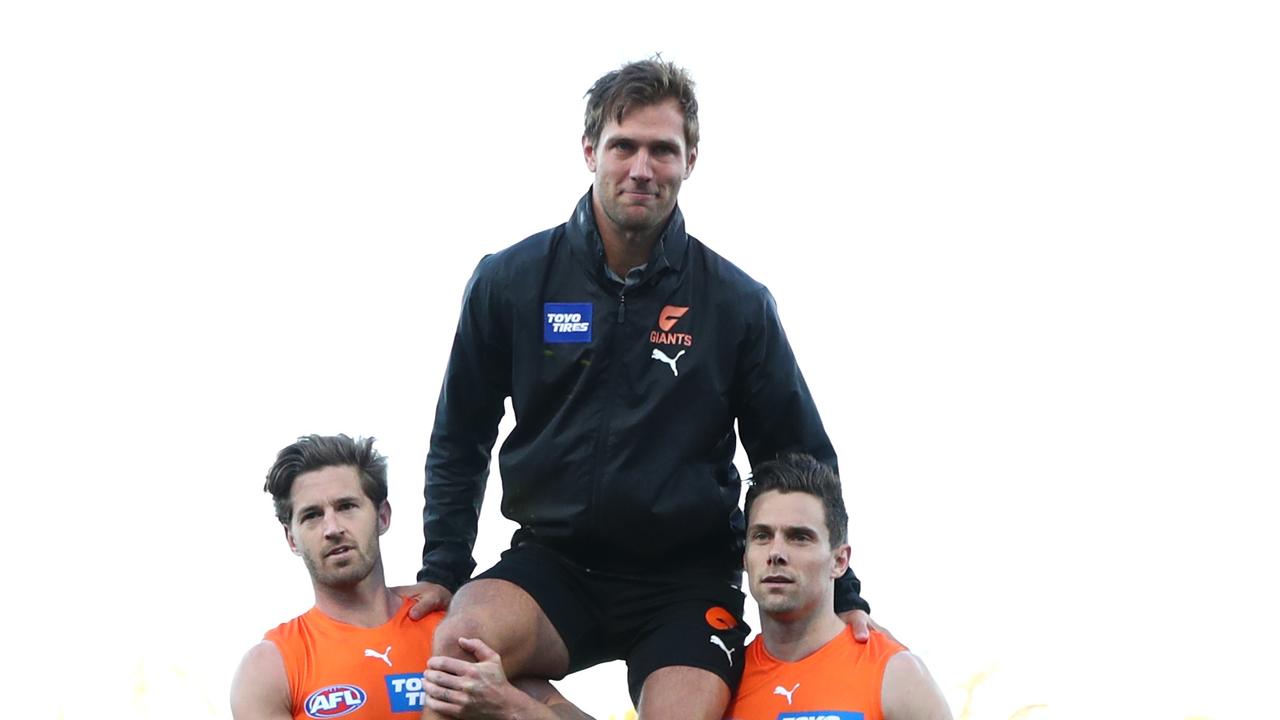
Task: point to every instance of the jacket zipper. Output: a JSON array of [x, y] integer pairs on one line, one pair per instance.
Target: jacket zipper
[[606, 423], [606, 420]]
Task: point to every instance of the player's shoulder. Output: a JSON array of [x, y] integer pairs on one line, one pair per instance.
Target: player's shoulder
[[726, 274], [264, 655], [878, 644], [909, 691], [290, 628], [424, 626], [881, 643], [869, 657], [905, 663], [514, 269], [260, 681], [536, 246], [261, 669]]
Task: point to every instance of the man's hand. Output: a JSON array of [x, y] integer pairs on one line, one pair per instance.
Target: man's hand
[[863, 625], [429, 596], [471, 691]]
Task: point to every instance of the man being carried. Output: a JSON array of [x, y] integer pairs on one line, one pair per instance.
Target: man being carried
[[806, 663], [629, 350], [357, 651]]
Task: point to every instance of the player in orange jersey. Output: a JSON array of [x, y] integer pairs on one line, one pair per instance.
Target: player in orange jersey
[[806, 663], [356, 653]]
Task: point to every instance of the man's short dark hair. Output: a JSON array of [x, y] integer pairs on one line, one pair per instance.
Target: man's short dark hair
[[641, 84], [314, 452], [797, 472]]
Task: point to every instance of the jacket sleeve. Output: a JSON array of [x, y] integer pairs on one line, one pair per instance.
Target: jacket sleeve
[[476, 383], [776, 414]]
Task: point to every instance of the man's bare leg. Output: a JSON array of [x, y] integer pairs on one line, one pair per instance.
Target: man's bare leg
[[683, 692], [508, 620]]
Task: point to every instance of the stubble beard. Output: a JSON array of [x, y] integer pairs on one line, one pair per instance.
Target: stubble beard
[[358, 567], [778, 604], [629, 224], [621, 214]]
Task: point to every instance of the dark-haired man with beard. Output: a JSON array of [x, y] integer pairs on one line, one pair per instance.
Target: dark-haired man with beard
[[357, 651]]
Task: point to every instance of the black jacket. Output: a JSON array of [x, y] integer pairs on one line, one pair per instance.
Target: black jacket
[[625, 401]]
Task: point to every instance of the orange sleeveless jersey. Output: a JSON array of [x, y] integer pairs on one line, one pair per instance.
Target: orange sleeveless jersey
[[336, 670], [839, 681]]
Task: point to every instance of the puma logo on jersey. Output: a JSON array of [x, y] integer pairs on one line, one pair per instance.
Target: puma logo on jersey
[[662, 357], [720, 644], [779, 690], [384, 656]]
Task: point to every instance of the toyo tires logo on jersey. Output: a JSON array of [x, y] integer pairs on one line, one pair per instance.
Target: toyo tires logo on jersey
[[566, 322], [334, 701], [406, 693]]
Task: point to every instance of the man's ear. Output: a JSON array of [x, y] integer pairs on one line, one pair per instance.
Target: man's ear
[[693, 158], [589, 153], [384, 517], [288, 537], [840, 560]]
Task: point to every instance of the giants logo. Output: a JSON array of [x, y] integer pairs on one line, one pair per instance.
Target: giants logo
[[721, 619], [667, 319], [334, 701]]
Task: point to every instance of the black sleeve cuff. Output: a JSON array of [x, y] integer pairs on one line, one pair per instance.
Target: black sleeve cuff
[[848, 594], [443, 579]]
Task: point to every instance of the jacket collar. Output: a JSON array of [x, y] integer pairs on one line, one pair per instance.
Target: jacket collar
[[584, 238]]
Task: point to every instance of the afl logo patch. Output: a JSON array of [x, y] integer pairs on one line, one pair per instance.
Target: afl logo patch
[[334, 701], [721, 619]]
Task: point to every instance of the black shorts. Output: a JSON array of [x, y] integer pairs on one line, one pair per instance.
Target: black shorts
[[649, 621]]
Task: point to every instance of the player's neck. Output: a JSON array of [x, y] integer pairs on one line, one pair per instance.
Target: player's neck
[[795, 638], [368, 604], [624, 249]]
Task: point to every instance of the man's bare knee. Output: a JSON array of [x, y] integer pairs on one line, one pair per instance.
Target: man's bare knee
[[461, 625], [508, 620]]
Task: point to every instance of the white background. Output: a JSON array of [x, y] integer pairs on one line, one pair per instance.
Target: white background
[[1026, 254]]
